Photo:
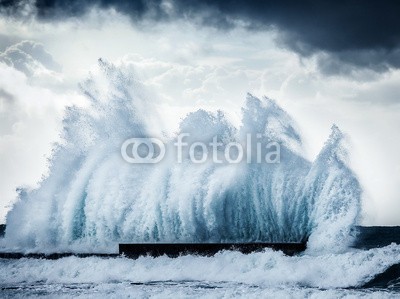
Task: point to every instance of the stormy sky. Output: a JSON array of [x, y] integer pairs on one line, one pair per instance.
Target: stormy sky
[[323, 61]]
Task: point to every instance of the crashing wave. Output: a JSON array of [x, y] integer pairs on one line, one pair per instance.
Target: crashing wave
[[92, 198]]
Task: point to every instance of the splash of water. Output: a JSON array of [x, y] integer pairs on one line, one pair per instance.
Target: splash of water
[[92, 198]]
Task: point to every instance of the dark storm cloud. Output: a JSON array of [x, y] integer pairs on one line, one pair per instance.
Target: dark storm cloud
[[355, 34], [351, 61], [136, 9], [343, 29]]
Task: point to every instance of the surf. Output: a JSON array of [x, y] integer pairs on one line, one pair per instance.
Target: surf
[[92, 199]]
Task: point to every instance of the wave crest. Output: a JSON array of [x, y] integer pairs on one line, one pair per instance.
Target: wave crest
[[92, 198]]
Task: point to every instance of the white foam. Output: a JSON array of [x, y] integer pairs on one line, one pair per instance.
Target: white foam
[[267, 269]]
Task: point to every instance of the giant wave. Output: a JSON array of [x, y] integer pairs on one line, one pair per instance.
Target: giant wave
[[92, 199]]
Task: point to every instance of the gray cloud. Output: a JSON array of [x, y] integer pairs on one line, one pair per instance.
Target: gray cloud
[[352, 61], [27, 57], [7, 40], [4, 95], [8, 113]]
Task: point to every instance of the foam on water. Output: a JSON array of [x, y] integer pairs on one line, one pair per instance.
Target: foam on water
[[266, 269], [92, 199]]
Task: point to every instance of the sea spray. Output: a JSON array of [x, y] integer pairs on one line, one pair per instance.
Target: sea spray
[[92, 199]]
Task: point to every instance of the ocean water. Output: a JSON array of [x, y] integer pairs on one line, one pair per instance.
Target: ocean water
[[92, 199], [371, 269]]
